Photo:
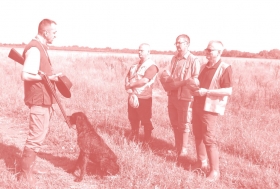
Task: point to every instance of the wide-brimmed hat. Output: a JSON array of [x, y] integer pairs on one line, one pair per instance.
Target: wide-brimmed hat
[[64, 85]]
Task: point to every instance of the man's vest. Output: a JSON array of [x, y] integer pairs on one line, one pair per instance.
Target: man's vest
[[36, 92], [182, 70], [136, 73], [216, 104]]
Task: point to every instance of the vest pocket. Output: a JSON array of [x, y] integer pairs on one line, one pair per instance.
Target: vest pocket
[[185, 93]]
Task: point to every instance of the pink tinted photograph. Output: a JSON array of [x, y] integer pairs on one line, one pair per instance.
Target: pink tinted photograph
[[139, 94]]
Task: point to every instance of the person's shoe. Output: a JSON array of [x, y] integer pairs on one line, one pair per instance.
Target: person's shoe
[[213, 176], [183, 153], [26, 177], [184, 145], [202, 165], [27, 163]]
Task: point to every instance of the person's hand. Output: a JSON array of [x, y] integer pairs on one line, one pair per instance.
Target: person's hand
[[127, 86], [200, 92], [129, 91], [192, 84], [54, 77]]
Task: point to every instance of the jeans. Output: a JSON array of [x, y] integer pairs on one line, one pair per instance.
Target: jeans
[[141, 115], [39, 120]]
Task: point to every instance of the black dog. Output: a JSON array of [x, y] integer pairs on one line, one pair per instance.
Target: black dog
[[92, 147]]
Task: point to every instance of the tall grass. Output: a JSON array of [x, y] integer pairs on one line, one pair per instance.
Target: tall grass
[[248, 134]]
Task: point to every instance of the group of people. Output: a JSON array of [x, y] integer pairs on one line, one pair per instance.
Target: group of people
[[206, 102], [197, 94]]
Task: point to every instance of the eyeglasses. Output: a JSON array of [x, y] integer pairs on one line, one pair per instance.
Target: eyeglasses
[[210, 50], [179, 43]]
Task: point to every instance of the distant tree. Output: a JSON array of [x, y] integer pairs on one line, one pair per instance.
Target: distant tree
[[274, 53], [263, 54]]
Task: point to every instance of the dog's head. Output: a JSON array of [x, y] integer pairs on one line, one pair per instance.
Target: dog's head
[[79, 119]]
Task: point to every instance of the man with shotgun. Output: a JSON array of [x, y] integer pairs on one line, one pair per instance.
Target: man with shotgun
[[37, 96]]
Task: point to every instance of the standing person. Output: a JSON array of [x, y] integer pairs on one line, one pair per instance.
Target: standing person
[[37, 96], [209, 102], [139, 84], [184, 65]]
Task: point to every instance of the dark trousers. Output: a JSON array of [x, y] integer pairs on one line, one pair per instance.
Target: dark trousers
[[204, 125], [141, 115], [204, 130]]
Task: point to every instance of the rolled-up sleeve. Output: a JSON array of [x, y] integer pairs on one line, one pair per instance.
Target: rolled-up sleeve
[[151, 72], [32, 61]]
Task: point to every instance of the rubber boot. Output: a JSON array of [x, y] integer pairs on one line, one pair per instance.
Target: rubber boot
[[201, 156], [147, 135], [134, 133], [184, 148], [178, 140], [27, 163], [213, 155]]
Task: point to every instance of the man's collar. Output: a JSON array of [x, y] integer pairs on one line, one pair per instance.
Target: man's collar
[[145, 60], [215, 65], [185, 55], [41, 40]]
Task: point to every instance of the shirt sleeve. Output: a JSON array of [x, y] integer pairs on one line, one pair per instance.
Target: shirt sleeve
[[32, 61], [226, 78], [151, 72], [196, 68]]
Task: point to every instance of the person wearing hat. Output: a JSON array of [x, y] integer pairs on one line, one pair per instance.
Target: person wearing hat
[[139, 85], [176, 81], [210, 101], [37, 96]]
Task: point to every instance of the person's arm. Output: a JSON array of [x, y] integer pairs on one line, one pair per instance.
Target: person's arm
[[149, 74], [213, 92], [173, 85], [226, 86], [31, 67], [195, 69], [220, 92], [138, 83], [176, 84]]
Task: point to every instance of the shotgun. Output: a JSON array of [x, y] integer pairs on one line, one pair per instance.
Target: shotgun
[[14, 55]]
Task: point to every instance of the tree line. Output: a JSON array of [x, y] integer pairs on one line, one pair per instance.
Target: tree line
[[271, 54]]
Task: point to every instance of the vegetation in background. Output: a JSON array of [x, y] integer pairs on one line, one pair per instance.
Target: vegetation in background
[[264, 54]]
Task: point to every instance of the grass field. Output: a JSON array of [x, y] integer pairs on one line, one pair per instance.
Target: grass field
[[248, 133]]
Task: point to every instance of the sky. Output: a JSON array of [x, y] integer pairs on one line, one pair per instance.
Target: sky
[[244, 25]]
